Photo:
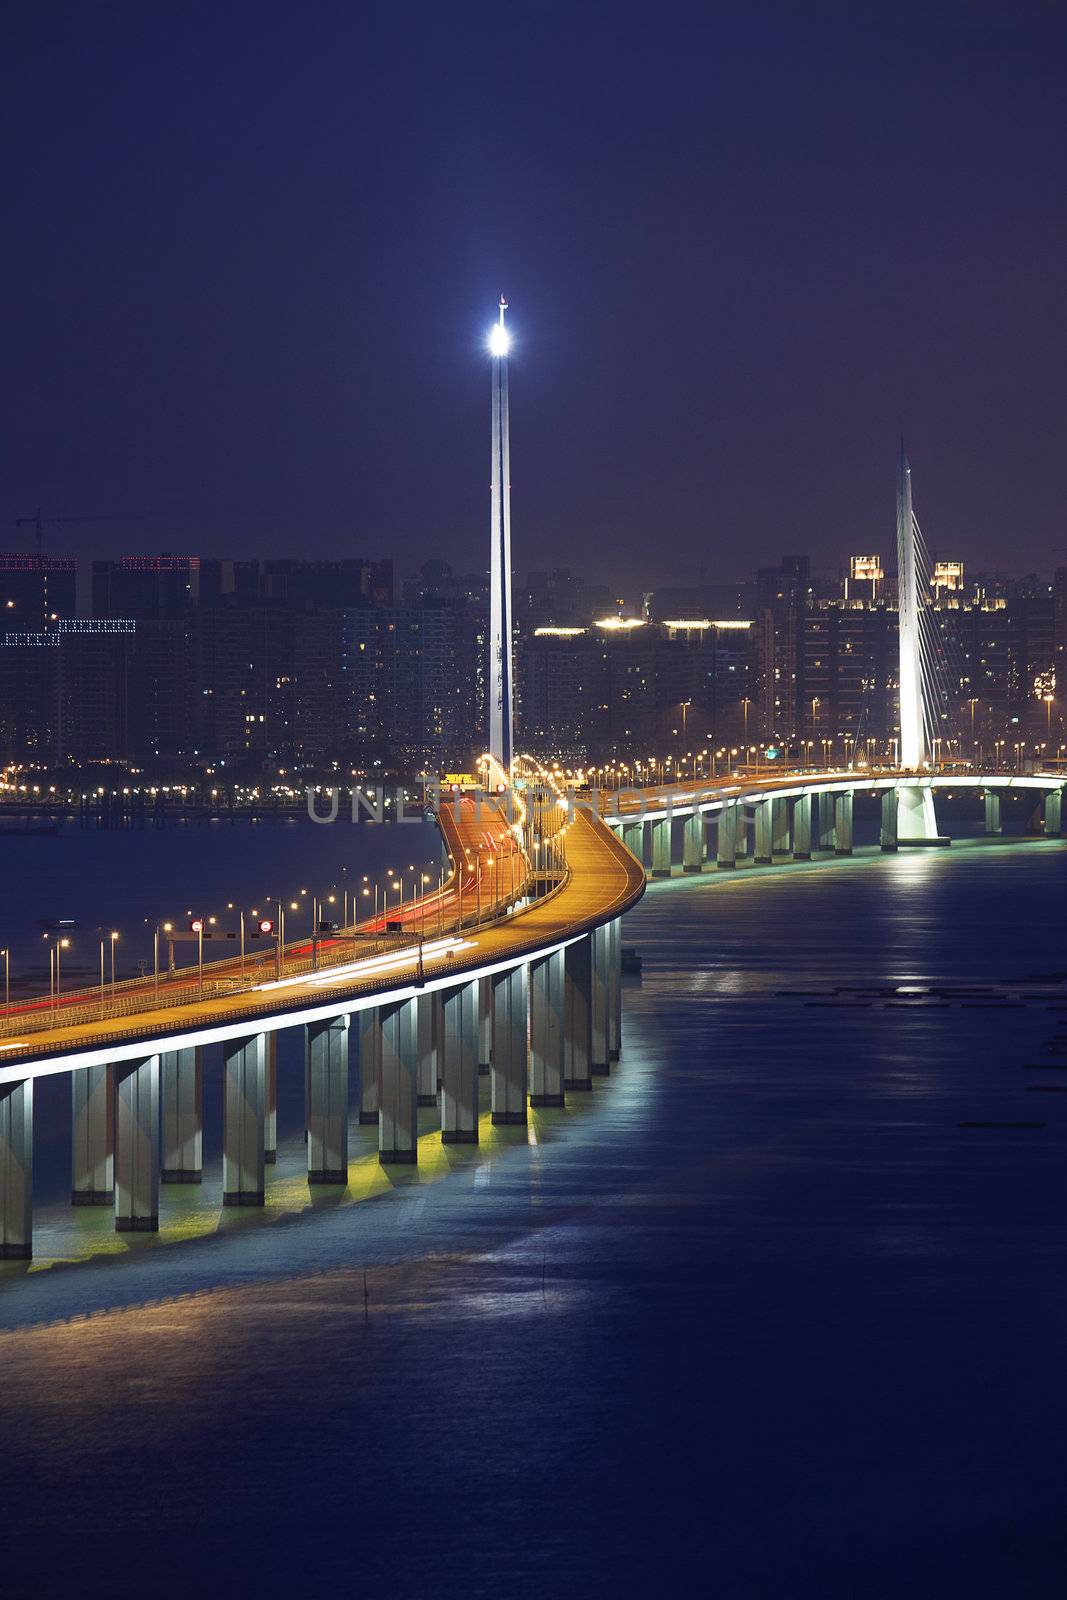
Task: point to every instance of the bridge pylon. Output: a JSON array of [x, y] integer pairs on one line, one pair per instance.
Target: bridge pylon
[[916, 819]]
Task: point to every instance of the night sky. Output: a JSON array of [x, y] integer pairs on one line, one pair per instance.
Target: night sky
[[252, 251]]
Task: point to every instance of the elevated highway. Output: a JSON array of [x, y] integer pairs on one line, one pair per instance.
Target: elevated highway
[[511, 968]]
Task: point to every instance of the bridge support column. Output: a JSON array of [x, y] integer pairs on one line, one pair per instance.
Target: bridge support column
[[182, 1092], [511, 1010], [802, 828], [485, 1026], [600, 980], [888, 835], [270, 1115], [137, 1146], [779, 826], [429, 1033], [827, 821], [92, 1129], [726, 835], [578, 1015], [992, 811], [398, 1115], [1053, 813], [615, 991], [693, 843], [764, 846], [843, 823], [661, 847], [244, 1109], [327, 1100], [916, 821], [16, 1170], [633, 837], [369, 1048], [459, 1065], [546, 1029], [741, 835]]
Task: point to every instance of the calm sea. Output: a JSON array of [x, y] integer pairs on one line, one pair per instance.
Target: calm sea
[[758, 1317]]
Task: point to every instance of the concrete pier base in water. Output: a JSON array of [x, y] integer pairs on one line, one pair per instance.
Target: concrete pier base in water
[[16, 1170], [802, 828], [429, 1035], [92, 1136], [244, 1104], [137, 1146], [578, 1002], [693, 843], [459, 1065], [726, 835], [764, 836], [398, 1114], [368, 1048], [546, 1029], [661, 847], [843, 823], [510, 1046], [327, 1101], [182, 1095]]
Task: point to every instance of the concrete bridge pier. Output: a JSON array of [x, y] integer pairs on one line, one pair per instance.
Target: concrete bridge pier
[[843, 823], [992, 811], [1053, 813], [182, 1093], [633, 837], [764, 835], [615, 990], [779, 826], [327, 1100], [693, 843], [578, 1015], [802, 828], [546, 1029], [398, 1114], [244, 1110], [270, 1116], [726, 835], [92, 1129], [429, 1032], [459, 1065], [661, 847], [16, 1170], [368, 1041], [890, 812], [137, 1146], [742, 830], [485, 1026], [599, 999], [511, 1008], [827, 821]]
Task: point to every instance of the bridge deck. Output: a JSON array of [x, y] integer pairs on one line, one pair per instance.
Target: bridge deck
[[604, 881]]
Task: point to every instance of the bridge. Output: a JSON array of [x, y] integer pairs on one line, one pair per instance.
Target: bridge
[[511, 968], [802, 815]]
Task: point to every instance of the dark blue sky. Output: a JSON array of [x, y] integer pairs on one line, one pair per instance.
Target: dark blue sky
[[252, 249]]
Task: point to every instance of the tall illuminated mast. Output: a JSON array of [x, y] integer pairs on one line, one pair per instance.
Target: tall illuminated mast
[[500, 673]]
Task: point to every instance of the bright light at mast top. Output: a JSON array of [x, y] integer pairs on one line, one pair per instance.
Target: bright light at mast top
[[499, 339]]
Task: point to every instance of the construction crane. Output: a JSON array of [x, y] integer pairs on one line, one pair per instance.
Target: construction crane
[[38, 521]]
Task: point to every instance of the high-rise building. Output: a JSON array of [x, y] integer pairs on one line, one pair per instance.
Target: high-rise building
[[36, 590]]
